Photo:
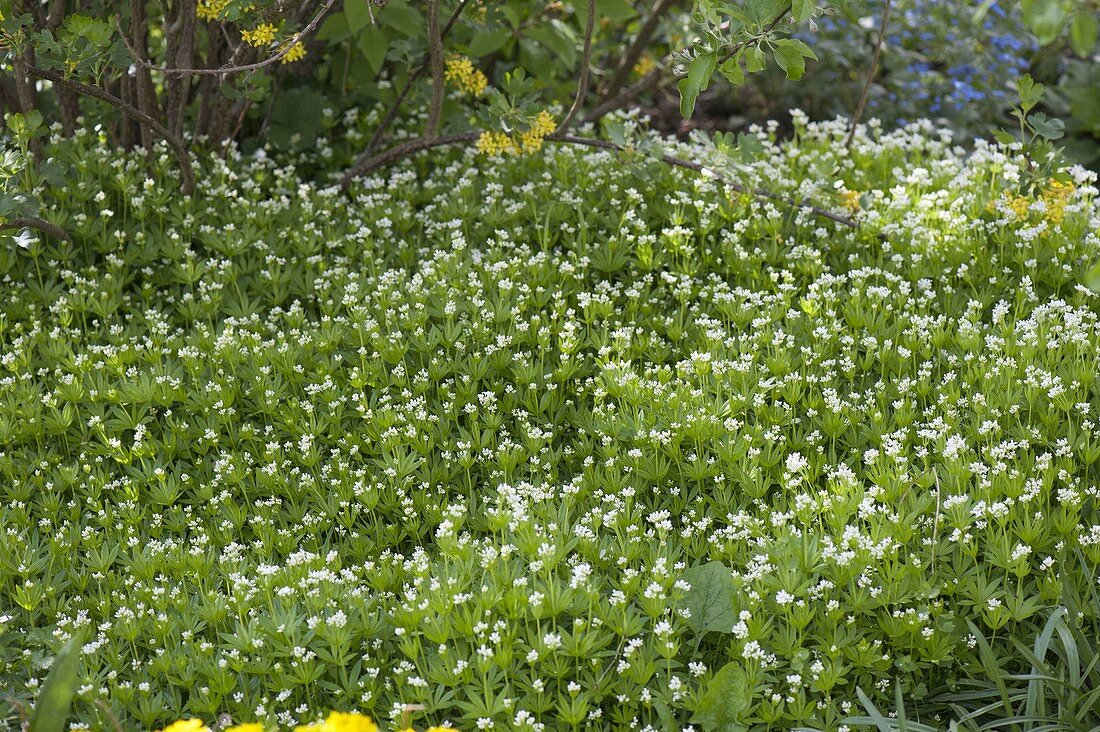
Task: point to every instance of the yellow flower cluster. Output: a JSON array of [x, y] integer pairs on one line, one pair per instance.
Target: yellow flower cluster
[[645, 65], [261, 35], [1055, 197], [296, 53], [531, 140], [495, 143], [850, 200], [210, 9], [342, 722], [335, 722], [187, 725], [461, 72]]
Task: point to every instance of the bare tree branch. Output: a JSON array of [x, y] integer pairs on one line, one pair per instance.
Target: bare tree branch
[[582, 77], [395, 108], [129, 110], [281, 53], [870, 75], [435, 61], [637, 48]]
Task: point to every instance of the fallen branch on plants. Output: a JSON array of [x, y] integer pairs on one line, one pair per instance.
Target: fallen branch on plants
[[33, 222], [423, 143]]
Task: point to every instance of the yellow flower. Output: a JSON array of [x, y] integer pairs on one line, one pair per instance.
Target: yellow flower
[[247, 727], [461, 72], [296, 53], [261, 35], [494, 143], [210, 9], [442, 729], [187, 725], [850, 200], [645, 65], [310, 728], [1056, 196], [349, 722], [531, 140]]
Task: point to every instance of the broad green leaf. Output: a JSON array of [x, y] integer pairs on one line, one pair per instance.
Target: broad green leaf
[[334, 28], [51, 711], [402, 17], [698, 76], [615, 10], [1045, 18], [790, 55], [802, 10], [731, 69], [485, 43], [558, 38], [1051, 129], [755, 60], [372, 44], [1082, 33], [724, 699], [357, 13], [710, 599]]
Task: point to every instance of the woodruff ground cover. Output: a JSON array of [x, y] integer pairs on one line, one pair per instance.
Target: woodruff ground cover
[[549, 441]]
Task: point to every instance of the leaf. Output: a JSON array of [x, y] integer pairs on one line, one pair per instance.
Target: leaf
[[1045, 127], [790, 55], [724, 699], [558, 38], [52, 709], [1045, 18], [485, 43], [402, 17], [731, 69], [1082, 33], [358, 14], [616, 10], [372, 44], [698, 76], [755, 60], [1092, 278], [334, 28], [802, 10], [1030, 92], [711, 598]]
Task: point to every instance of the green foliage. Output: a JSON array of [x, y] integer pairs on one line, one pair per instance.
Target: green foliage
[[51, 710], [278, 447]]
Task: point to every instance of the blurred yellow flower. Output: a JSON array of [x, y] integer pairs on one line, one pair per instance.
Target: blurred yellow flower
[[442, 729], [187, 725], [246, 727], [461, 72], [210, 9], [341, 722]]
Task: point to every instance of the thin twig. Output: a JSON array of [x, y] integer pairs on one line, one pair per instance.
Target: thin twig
[[582, 75], [391, 114], [283, 50], [656, 78], [129, 110], [435, 60], [870, 76], [637, 48], [422, 143], [33, 222]]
